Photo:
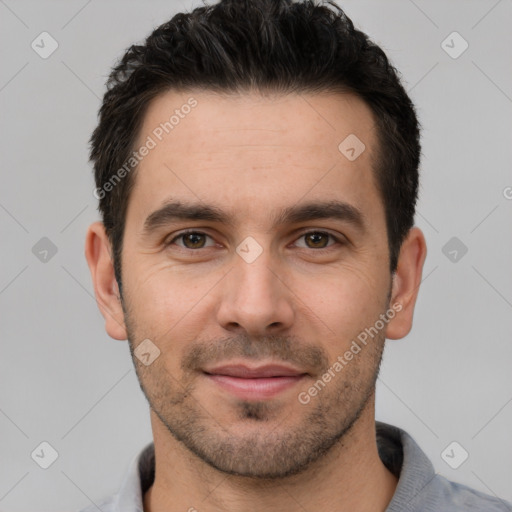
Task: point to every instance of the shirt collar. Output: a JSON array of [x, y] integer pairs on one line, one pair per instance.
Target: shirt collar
[[407, 461], [137, 480]]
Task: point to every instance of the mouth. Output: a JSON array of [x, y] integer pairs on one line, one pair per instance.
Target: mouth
[[255, 383]]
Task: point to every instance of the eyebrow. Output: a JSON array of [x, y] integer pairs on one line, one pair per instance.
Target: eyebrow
[[175, 210]]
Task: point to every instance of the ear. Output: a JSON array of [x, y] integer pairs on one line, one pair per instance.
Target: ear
[[98, 255], [406, 283]]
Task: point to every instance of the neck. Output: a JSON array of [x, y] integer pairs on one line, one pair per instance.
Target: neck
[[350, 477]]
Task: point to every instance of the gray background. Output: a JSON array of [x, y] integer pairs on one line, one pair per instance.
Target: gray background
[[64, 381]]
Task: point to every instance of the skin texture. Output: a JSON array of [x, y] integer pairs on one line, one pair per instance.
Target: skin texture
[[202, 304]]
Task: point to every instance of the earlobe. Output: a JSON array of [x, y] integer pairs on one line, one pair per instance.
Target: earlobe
[[99, 259], [406, 283]]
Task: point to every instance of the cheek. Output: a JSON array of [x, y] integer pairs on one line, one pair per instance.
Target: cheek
[[153, 294], [344, 302], [166, 299]]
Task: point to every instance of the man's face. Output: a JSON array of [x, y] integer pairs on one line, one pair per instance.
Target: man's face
[[255, 291]]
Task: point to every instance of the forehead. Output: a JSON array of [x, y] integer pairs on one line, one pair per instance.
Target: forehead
[[299, 121], [248, 152]]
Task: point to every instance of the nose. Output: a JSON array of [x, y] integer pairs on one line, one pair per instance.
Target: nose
[[256, 297]]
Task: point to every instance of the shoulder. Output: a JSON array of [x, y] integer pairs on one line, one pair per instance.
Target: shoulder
[[420, 488], [452, 497]]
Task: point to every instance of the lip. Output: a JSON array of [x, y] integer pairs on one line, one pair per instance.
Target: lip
[[255, 383], [256, 372]]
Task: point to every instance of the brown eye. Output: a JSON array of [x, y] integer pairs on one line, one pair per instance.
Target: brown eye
[[317, 240], [196, 240], [191, 240]]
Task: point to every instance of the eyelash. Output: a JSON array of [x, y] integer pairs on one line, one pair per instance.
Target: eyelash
[[318, 232]]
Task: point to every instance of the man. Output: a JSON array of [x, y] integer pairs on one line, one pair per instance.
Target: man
[[256, 164]]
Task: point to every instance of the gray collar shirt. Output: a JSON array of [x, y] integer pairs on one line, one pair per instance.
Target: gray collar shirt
[[420, 488]]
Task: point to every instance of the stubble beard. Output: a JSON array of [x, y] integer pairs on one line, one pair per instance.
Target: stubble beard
[[272, 447]]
